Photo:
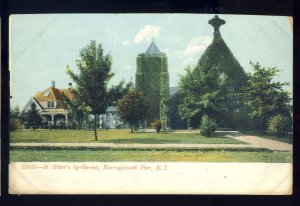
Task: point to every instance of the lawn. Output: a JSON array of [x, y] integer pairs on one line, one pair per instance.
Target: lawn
[[203, 155], [116, 136]]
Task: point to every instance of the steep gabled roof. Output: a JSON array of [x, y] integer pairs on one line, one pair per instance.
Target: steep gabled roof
[[219, 56], [152, 50], [53, 94]]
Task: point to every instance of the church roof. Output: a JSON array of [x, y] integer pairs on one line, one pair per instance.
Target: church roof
[[152, 50], [218, 55]]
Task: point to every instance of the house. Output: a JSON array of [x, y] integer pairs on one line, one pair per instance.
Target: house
[[111, 120], [51, 105]]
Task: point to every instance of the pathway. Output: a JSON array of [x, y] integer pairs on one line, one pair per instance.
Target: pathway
[[259, 142]]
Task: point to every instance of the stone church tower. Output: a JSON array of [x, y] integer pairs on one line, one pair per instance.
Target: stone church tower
[[152, 78]]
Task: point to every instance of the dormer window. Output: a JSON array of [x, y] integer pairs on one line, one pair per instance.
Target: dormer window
[[50, 104], [47, 93]]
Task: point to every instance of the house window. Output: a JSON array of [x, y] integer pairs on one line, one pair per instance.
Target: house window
[[50, 104]]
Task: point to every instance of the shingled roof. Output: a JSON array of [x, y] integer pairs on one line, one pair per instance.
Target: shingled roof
[[54, 94]]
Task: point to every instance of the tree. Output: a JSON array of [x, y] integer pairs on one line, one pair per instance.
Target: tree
[[208, 126], [132, 108], [280, 124], [175, 120], [164, 115], [14, 113], [91, 82], [15, 121], [157, 125], [263, 96], [32, 117], [203, 92], [115, 93], [77, 111]]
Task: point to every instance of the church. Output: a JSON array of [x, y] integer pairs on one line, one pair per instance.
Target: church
[[152, 78]]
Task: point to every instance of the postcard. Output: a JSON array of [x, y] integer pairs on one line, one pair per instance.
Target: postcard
[[151, 104]]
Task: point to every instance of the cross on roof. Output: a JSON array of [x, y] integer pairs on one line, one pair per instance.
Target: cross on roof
[[216, 22]]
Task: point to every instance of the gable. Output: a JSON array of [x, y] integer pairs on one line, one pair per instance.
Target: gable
[[28, 106]]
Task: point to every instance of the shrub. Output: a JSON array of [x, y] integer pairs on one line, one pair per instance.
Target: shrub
[[119, 126], [156, 124], [279, 124], [14, 124], [208, 126]]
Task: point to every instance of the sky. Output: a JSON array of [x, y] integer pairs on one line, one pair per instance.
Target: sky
[[42, 45]]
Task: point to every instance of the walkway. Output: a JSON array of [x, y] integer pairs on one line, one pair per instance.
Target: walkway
[[252, 142], [259, 142]]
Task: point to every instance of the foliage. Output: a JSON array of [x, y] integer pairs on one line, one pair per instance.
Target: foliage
[[157, 125], [175, 120], [263, 96], [210, 87], [32, 117], [152, 78], [14, 113], [132, 108], [78, 112], [15, 123], [208, 126], [115, 93], [163, 115], [92, 81], [279, 124]]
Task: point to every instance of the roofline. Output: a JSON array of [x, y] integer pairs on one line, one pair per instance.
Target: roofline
[[32, 98]]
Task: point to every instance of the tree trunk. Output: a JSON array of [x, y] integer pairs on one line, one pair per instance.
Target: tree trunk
[[95, 127], [131, 129]]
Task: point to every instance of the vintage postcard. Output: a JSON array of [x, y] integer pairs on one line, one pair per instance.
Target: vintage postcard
[[151, 104]]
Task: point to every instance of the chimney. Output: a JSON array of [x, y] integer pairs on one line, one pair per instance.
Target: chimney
[[53, 83]]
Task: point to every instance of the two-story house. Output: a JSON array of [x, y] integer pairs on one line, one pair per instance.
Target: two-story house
[[51, 104]]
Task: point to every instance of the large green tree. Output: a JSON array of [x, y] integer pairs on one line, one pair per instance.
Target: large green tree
[[263, 96], [203, 92], [92, 80], [132, 108]]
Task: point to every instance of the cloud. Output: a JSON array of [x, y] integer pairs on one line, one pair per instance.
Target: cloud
[[194, 48], [146, 34], [196, 45], [126, 43]]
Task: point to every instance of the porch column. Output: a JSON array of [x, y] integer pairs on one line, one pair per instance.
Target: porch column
[[66, 119], [52, 119]]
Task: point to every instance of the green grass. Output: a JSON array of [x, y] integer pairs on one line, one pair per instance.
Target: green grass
[[210, 155], [115, 136]]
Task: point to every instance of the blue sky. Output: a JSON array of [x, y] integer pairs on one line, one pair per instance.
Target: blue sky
[[42, 45]]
